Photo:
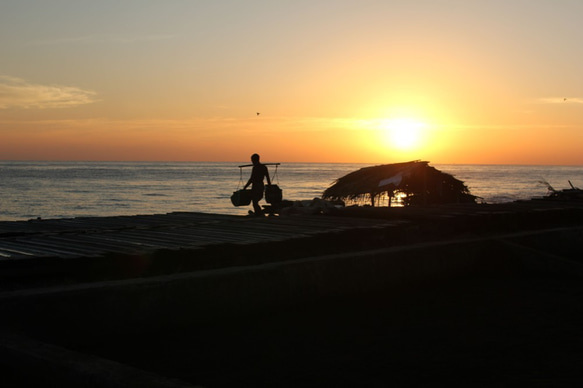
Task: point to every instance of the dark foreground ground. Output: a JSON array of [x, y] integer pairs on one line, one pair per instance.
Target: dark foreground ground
[[501, 332], [519, 326]]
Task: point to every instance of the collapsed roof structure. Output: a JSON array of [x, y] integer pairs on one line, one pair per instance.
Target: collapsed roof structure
[[409, 183]]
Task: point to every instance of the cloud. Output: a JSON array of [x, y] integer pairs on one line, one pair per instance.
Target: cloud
[[17, 93], [104, 38]]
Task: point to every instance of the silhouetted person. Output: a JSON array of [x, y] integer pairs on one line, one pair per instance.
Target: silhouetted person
[[256, 181]]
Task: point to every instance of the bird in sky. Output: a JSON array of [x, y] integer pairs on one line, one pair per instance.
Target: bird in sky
[[257, 113]]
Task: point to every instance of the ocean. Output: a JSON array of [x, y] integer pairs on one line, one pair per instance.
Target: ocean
[[29, 190]]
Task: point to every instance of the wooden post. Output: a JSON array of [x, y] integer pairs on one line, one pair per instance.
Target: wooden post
[[425, 185]]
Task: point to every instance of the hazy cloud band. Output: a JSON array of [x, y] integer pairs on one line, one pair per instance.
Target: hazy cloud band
[[18, 93]]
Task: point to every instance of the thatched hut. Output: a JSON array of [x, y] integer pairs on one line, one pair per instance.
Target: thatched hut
[[410, 183]]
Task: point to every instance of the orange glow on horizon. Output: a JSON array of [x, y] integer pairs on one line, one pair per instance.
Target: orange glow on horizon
[[396, 133]]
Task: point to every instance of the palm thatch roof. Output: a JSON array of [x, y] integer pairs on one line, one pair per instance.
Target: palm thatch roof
[[416, 183]]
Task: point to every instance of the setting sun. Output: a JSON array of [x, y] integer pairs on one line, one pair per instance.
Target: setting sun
[[403, 133]]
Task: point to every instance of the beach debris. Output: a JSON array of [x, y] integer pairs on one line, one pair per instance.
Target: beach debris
[[548, 185], [314, 206], [404, 184], [572, 194]]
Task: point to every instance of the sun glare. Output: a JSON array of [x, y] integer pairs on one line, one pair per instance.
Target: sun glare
[[403, 134]]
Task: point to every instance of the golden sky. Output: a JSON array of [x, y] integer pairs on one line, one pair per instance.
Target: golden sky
[[448, 81]]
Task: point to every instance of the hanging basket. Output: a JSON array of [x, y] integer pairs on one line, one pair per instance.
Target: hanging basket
[[273, 194], [241, 197]]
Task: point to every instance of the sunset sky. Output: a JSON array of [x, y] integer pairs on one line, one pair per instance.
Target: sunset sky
[[448, 81]]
